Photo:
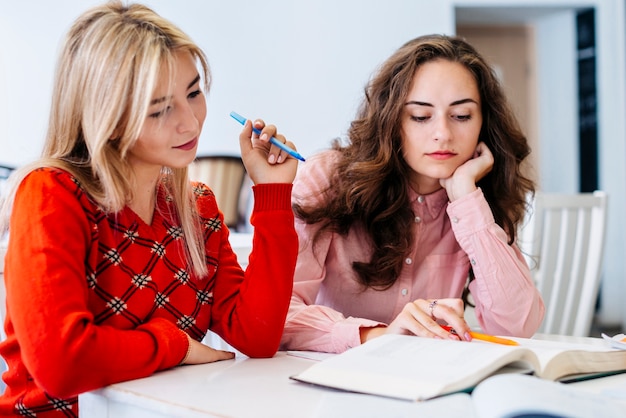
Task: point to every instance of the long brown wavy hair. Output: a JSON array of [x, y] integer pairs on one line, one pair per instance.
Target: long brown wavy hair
[[371, 182]]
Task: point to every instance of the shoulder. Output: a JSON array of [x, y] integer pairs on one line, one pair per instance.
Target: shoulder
[[46, 191], [314, 176], [322, 164], [50, 180]]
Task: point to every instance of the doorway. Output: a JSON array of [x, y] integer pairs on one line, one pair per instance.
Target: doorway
[[510, 50]]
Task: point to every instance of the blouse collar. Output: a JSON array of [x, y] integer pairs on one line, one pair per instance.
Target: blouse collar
[[434, 202]]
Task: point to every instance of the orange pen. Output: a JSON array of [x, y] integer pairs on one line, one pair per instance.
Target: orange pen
[[484, 337]]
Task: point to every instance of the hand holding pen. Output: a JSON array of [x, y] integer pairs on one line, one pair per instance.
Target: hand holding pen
[[272, 139], [421, 317], [265, 161], [484, 337]]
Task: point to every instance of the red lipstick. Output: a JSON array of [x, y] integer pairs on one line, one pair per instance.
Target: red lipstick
[[188, 145]]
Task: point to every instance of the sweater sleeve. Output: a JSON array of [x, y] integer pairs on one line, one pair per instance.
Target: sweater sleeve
[[311, 326], [46, 286], [507, 301], [250, 307]]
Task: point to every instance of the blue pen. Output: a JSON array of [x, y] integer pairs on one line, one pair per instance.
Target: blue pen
[[273, 140]]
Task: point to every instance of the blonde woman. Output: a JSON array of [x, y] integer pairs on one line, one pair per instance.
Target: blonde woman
[[117, 266]]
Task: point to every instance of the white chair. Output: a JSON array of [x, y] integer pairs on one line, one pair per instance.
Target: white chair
[[563, 240]]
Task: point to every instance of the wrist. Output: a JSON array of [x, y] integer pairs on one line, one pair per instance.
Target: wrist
[[367, 333], [188, 349], [461, 191]]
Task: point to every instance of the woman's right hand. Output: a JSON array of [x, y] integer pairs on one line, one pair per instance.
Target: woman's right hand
[[200, 353], [265, 162], [418, 318]]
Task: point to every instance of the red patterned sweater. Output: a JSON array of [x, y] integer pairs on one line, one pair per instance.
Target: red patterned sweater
[[94, 299]]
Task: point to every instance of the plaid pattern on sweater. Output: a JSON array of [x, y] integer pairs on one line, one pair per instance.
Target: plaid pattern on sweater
[[134, 277]]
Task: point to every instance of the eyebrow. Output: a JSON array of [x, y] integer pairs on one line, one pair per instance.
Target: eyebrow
[[455, 103], [162, 99]]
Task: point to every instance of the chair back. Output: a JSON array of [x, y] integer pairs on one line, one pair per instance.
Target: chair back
[[563, 240], [226, 176]]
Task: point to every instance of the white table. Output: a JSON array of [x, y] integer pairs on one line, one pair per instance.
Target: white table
[[240, 388]]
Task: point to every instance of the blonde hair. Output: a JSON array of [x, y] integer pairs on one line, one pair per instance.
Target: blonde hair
[[107, 71]]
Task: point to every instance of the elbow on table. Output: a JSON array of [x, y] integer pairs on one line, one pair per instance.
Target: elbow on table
[[60, 385], [264, 350], [63, 378], [524, 327], [262, 345]]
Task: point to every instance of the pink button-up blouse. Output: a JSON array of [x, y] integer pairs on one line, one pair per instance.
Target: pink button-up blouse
[[329, 306]]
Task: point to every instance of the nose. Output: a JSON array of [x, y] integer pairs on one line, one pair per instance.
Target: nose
[[187, 120], [442, 130]]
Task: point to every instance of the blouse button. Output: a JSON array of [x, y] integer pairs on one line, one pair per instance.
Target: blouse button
[[408, 260], [455, 220], [418, 219], [473, 262], [404, 292], [420, 199]]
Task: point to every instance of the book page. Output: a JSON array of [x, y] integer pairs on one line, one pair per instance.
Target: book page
[[410, 367], [559, 359], [516, 395]]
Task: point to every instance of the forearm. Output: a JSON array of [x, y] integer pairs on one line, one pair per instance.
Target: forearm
[[250, 308], [320, 328], [507, 301]]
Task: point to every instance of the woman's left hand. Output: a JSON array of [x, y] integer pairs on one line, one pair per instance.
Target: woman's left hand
[[463, 180], [265, 162]]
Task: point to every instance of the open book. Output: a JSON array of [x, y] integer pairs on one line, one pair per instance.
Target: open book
[[505, 395], [414, 368]]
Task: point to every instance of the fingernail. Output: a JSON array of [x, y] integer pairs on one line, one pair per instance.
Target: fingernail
[[468, 337], [272, 158], [264, 137]]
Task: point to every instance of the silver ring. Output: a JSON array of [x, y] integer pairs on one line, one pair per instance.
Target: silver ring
[[431, 306]]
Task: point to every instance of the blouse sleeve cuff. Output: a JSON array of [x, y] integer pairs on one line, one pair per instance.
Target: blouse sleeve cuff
[[470, 214], [346, 334]]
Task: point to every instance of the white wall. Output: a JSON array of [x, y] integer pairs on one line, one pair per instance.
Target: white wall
[[558, 113], [299, 65]]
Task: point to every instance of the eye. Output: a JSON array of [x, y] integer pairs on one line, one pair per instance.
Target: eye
[[463, 118], [194, 94], [419, 119], [160, 113]]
